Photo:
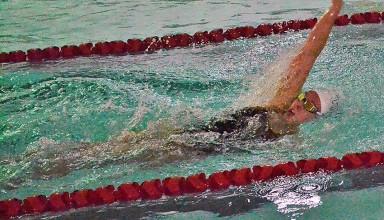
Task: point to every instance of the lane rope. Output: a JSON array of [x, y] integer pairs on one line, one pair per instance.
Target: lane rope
[[198, 183], [177, 186], [155, 43]]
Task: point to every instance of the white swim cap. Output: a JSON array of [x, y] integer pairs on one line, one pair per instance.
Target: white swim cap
[[327, 99]]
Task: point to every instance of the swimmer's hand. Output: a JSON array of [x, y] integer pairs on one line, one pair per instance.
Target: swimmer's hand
[[337, 4]]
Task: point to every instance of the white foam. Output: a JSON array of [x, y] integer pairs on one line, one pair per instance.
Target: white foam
[[263, 88]]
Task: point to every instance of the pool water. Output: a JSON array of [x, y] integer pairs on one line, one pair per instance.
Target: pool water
[[59, 120]]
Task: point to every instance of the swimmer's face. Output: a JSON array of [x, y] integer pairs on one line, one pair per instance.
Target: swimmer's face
[[298, 114]]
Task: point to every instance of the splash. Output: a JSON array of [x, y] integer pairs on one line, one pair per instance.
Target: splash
[[263, 88]]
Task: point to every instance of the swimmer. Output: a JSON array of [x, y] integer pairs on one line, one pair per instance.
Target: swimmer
[[300, 107], [289, 107], [281, 115], [165, 142]]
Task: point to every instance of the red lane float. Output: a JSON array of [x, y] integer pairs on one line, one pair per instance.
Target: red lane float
[[216, 36], [285, 169], [294, 25], [307, 166], [358, 19], [104, 195], [35, 55], [135, 46], [175, 186], [172, 186], [368, 17], [69, 52], [151, 189], [234, 33], [128, 192], [59, 202], [195, 183], [240, 177], [310, 23], [342, 20], [52, 53], [264, 30], [118, 47], [168, 42], [86, 49], [371, 159], [372, 17], [183, 40], [280, 27], [331, 164], [249, 32], [201, 37], [10, 208], [17, 56], [218, 181], [151, 44], [36, 204], [79, 198], [102, 48], [352, 161], [4, 58]]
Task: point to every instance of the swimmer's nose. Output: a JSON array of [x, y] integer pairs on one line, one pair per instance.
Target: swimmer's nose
[[298, 106], [295, 108], [290, 113]]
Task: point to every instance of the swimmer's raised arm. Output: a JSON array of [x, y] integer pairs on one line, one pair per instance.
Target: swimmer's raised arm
[[298, 71]]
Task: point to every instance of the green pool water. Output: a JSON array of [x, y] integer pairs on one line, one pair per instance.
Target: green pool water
[[50, 112]]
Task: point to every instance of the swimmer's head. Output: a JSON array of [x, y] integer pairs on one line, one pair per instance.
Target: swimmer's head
[[309, 105], [327, 99]]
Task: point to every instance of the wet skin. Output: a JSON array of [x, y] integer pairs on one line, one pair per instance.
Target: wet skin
[[298, 114]]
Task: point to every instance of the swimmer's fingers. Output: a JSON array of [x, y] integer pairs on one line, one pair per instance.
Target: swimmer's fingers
[[337, 4]]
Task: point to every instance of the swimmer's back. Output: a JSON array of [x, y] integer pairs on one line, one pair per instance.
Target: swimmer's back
[[249, 122]]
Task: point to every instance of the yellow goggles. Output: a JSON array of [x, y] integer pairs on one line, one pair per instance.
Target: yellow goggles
[[309, 106]]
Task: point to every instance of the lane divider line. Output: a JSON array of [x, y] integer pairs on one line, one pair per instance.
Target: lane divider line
[[155, 43], [176, 186]]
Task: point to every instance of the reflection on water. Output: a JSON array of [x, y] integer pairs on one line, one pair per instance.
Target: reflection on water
[[295, 195]]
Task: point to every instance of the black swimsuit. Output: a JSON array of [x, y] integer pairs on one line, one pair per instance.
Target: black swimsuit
[[241, 121], [231, 133]]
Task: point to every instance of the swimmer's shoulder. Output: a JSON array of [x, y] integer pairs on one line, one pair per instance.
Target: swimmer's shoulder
[[274, 117]]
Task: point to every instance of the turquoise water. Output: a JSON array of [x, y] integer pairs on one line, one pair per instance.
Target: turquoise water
[[51, 111]]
